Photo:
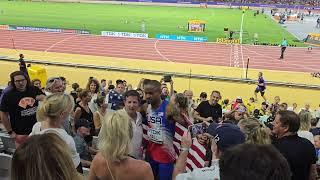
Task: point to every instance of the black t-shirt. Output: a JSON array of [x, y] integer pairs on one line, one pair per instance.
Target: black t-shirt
[[300, 154], [22, 108], [206, 110]]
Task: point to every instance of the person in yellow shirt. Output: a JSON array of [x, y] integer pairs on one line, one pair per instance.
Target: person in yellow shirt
[[251, 106], [264, 109]]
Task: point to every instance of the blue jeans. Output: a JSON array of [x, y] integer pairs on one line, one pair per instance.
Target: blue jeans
[[161, 171]]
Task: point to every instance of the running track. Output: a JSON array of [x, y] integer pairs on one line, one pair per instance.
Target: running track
[[261, 57]]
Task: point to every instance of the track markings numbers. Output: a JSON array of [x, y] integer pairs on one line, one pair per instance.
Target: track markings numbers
[[236, 58]]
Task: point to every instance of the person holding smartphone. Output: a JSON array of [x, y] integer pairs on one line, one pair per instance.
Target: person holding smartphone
[[223, 137]]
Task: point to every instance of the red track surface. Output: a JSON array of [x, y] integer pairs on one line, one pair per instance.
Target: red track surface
[[261, 57]]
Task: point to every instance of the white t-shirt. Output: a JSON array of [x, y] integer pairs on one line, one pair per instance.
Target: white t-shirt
[[136, 142], [36, 129], [306, 134], [207, 173], [93, 106]]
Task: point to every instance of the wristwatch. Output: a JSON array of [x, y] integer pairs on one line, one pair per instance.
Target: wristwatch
[[184, 149]]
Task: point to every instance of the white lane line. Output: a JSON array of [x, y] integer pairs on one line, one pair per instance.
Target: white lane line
[[65, 39], [157, 50]]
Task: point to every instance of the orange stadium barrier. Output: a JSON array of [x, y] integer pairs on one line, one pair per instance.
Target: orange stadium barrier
[[4, 27]]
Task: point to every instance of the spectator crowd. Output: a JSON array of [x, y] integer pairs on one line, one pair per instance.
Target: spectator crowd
[[153, 132], [285, 2]]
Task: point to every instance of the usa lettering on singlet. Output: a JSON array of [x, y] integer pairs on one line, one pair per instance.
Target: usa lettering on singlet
[[155, 126]]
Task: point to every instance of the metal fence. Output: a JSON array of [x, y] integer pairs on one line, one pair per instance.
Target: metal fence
[[161, 73]]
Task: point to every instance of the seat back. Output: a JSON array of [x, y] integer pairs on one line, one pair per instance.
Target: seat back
[[5, 166], [8, 143]]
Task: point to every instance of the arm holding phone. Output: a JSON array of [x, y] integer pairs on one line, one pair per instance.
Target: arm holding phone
[[197, 116], [180, 166]]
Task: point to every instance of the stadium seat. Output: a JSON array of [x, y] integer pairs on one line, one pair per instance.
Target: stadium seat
[[5, 165], [8, 143]]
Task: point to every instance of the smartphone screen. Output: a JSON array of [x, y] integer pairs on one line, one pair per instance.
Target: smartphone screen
[[196, 129]]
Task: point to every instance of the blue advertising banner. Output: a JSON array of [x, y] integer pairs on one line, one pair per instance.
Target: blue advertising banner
[[182, 38]]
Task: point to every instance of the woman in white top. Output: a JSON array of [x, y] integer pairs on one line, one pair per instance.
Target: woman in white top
[[305, 125], [50, 115], [93, 86]]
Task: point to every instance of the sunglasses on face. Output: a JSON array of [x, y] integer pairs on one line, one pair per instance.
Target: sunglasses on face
[[53, 79], [20, 81]]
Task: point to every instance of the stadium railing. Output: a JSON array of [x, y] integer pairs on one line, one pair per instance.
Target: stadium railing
[[161, 73]]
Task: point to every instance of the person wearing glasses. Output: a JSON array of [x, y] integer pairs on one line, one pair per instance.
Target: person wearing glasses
[[54, 85], [20, 104]]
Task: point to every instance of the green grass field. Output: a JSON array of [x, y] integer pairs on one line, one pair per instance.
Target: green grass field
[[166, 20]]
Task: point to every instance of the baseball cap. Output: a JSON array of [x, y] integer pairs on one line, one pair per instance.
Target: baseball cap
[[226, 135], [82, 123]]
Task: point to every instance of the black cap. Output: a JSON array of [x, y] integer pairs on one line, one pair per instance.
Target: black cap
[[82, 123]]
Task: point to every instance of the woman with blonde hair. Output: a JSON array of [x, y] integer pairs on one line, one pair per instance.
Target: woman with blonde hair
[[255, 131], [43, 157], [305, 126], [50, 115], [113, 162]]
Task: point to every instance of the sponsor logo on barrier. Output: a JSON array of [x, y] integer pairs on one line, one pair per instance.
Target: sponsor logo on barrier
[[28, 28], [313, 38], [124, 34], [228, 41], [182, 38], [4, 27], [45, 29]]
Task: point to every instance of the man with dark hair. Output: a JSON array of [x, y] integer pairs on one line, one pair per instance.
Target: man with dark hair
[[159, 132], [22, 65], [103, 83], [115, 98], [283, 45], [209, 110], [131, 101], [261, 87], [250, 161], [82, 127], [203, 96], [224, 136], [299, 152], [20, 104]]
